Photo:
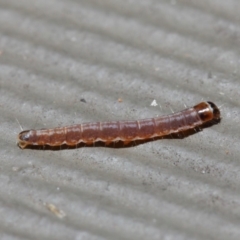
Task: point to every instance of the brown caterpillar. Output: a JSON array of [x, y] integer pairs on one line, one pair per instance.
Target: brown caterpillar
[[125, 131]]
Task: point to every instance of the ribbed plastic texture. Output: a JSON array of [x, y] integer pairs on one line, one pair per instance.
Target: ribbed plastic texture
[[65, 62]]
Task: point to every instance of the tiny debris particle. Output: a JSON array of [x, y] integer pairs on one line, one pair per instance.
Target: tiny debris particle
[[209, 74], [15, 169], [83, 100], [58, 212], [154, 103], [120, 100]]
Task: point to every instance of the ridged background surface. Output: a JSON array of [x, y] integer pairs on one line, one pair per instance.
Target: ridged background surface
[[55, 53]]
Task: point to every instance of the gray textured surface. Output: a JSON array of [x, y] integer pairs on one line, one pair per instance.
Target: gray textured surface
[[54, 53]]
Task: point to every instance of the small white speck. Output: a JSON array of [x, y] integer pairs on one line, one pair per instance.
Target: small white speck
[[15, 169], [154, 103]]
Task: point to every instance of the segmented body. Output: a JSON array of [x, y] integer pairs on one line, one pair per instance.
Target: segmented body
[[125, 131]]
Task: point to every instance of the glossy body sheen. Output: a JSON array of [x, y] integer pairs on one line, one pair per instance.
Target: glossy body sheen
[[125, 131]]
